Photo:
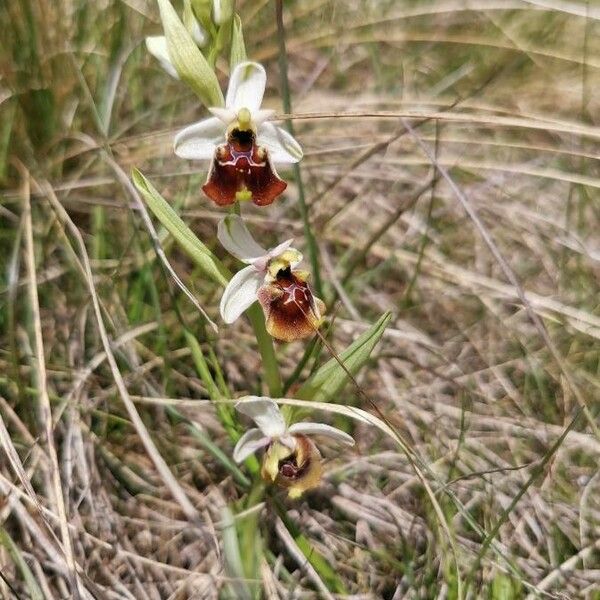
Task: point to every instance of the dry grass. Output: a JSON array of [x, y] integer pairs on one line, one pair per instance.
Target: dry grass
[[451, 175]]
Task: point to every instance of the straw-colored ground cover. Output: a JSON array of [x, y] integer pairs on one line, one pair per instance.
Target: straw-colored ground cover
[[450, 176]]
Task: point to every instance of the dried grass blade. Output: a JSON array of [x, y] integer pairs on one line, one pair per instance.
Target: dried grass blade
[[161, 466], [45, 411]]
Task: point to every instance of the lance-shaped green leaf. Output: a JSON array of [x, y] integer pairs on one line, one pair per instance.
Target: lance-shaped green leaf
[[184, 236], [329, 380], [237, 54], [187, 59]]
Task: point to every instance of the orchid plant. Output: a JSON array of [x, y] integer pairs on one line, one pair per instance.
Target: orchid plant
[[241, 147]]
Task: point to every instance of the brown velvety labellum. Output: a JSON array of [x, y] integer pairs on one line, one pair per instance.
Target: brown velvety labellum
[[302, 470], [241, 165], [291, 310], [289, 469]]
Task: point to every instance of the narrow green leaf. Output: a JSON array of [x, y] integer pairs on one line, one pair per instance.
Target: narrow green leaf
[[329, 380], [213, 267], [321, 566], [221, 42], [249, 535], [238, 47], [225, 411], [203, 257], [187, 59], [35, 593], [203, 12], [202, 367]]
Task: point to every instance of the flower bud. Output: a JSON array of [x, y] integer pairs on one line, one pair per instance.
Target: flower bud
[[193, 26], [222, 11]]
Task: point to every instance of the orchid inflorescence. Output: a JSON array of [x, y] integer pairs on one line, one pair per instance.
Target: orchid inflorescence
[[241, 146]]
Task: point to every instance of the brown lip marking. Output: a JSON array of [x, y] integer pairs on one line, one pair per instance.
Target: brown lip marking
[[240, 164], [290, 470], [291, 310], [302, 470]]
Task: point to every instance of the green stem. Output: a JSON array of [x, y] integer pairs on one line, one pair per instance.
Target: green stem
[[267, 351], [287, 106]]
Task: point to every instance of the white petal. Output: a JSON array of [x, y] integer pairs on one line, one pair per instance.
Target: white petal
[[240, 293], [237, 240], [225, 115], [246, 87], [157, 46], [322, 429], [262, 115], [265, 413], [280, 249], [248, 444], [199, 141], [283, 148]]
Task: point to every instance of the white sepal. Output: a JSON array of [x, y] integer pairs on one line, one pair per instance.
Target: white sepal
[[199, 141], [240, 293], [157, 46], [237, 240], [282, 147], [246, 87], [265, 413]]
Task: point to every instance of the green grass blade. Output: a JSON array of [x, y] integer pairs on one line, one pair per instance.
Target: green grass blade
[[309, 235], [331, 377], [14, 552]]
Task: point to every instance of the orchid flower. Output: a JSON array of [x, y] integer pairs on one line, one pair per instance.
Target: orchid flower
[[291, 311], [241, 145], [291, 459]]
